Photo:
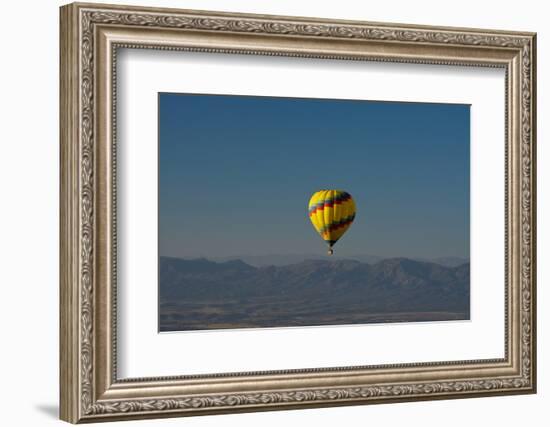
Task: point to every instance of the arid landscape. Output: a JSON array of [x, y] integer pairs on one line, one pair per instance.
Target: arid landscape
[[200, 294]]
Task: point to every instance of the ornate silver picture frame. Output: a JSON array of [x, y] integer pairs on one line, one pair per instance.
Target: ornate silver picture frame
[[91, 35]]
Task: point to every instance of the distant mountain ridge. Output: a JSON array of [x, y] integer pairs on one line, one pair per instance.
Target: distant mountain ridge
[[202, 294], [286, 259]]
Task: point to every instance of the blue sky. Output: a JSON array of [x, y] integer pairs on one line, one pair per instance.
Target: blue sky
[[236, 174]]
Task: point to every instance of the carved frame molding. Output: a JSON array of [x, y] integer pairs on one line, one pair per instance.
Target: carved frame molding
[[90, 36]]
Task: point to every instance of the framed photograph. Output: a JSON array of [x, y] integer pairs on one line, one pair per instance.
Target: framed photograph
[[265, 212]]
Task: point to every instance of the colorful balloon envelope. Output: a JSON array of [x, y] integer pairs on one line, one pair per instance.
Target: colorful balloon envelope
[[331, 212]]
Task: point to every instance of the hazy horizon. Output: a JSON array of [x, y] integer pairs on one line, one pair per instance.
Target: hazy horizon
[[320, 255], [280, 260]]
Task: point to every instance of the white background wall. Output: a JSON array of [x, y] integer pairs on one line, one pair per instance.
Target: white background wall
[[29, 170]]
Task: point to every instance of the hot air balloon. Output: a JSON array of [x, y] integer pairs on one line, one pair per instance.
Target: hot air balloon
[[331, 212]]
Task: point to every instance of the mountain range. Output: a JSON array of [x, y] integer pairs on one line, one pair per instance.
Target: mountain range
[[202, 294], [287, 259]]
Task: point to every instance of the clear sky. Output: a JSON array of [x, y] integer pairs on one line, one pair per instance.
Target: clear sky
[[236, 174]]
